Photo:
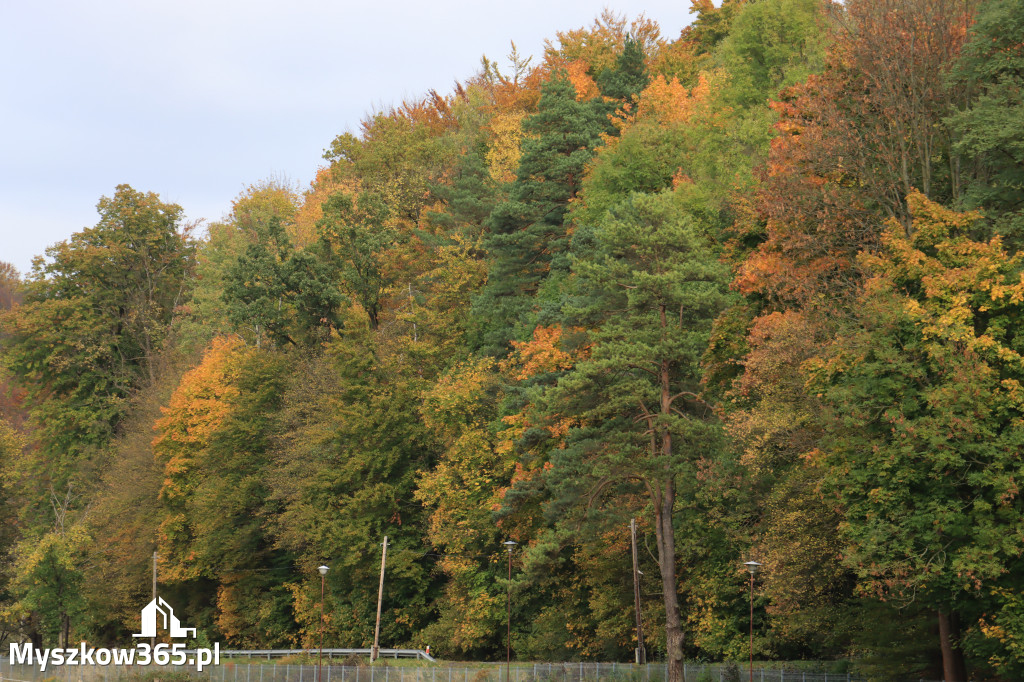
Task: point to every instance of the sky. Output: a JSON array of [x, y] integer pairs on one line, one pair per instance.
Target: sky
[[198, 99]]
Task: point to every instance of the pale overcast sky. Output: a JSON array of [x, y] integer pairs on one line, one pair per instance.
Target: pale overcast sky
[[196, 99]]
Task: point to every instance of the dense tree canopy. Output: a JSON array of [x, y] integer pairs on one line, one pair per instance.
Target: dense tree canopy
[[757, 285]]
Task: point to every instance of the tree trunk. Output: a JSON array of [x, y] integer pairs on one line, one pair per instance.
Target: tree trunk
[[666, 535], [953, 667], [34, 635], [65, 630], [666, 539]]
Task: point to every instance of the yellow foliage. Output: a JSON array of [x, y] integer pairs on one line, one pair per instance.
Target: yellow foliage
[[667, 102], [458, 397], [503, 153], [962, 278]]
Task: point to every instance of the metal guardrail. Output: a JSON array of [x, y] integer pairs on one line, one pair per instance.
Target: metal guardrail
[[328, 653]]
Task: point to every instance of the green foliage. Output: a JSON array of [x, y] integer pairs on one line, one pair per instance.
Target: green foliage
[[213, 441], [344, 469], [648, 288], [356, 237], [652, 287], [91, 328], [528, 236], [49, 579], [895, 638], [124, 513], [629, 77], [771, 45], [252, 217], [400, 154], [989, 128], [12, 444], [275, 291], [459, 492], [923, 410], [504, 313]]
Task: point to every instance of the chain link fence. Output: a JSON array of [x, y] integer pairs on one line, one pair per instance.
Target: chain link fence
[[441, 672]]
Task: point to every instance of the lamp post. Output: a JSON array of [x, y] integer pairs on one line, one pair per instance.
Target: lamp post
[[753, 567], [320, 656], [509, 544]]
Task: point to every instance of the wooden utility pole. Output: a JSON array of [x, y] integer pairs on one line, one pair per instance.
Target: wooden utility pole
[[152, 641], [375, 651], [641, 652], [509, 545]]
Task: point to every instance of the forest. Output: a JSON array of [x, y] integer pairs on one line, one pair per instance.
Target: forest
[[757, 286]]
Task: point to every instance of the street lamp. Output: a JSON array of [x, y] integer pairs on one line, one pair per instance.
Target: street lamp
[[509, 544], [753, 567], [320, 657]]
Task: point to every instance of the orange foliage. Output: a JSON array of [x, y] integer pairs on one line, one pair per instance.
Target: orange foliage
[[586, 88], [518, 92], [195, 411], [541, 354], [199, 406], [304, 231], [668, 102], [434, 111], [854, 142], [600, 44]]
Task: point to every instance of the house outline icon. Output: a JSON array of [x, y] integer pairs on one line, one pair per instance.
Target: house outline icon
[[156, 611]]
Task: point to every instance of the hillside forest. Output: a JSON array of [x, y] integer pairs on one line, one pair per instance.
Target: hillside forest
[[759, 286]]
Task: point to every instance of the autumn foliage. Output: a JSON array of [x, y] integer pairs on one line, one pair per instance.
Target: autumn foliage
[[756, 285]]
